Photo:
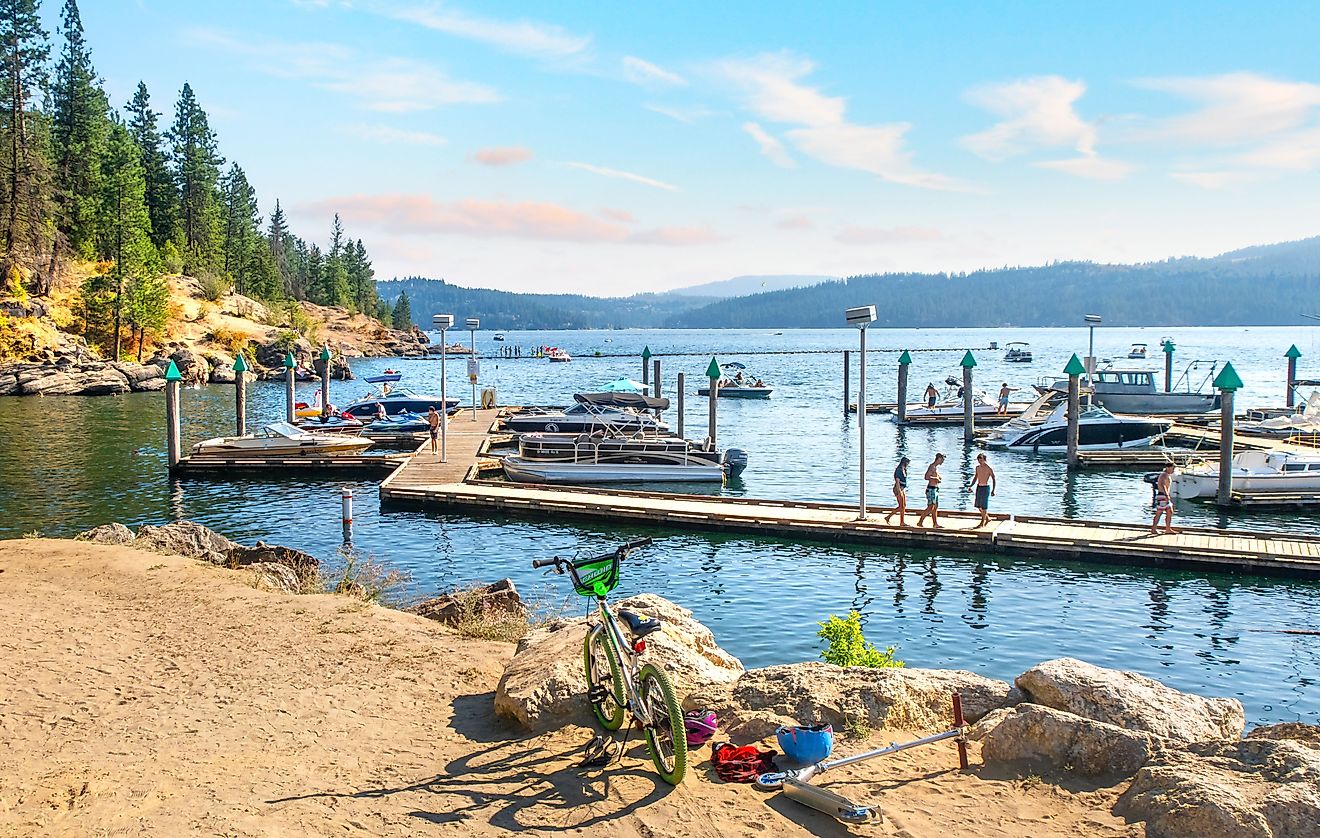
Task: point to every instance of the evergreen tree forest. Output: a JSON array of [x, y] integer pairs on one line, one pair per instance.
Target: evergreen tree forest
[[139, 193]]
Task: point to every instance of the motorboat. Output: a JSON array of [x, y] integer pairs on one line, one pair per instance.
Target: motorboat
[[736, 383], [499, 338], [1019, 352], [611, 458], [1138, 351], [1305, 421], [387, 377], [399, 423], [1097, 430], [559, 356], [1134, 390], [281, 439], [1253, 472], [304, 410], [621, 412], [396, 400], [335, 423], [949, 404]]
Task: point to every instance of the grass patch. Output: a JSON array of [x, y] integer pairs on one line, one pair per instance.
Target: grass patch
[[360, 577]]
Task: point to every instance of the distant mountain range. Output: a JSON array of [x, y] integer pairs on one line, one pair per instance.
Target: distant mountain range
[[1261, 285]]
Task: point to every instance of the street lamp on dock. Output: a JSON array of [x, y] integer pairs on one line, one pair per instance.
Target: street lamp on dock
[[861, 317], [443, 322], [473, 324], [1092, 320]]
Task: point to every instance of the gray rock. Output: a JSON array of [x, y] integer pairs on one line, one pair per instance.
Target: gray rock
[[135, 374], [8, 384], [192, 365], [1302, 734], [1036, 738], [270, 576], [1130, 701], [184, 538], [149, 385], [87, 380], [450, 608], [262, 553], [114, 533]]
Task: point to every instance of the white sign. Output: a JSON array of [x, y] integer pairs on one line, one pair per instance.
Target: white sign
[[474, 369]]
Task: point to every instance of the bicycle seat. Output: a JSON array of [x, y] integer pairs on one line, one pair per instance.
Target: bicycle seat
[[637, 624]]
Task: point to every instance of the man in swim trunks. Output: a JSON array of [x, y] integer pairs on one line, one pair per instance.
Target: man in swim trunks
[[932, 395], [433, 420], [1164, 501], [900, 493], [983, 481], [933, 493], [1003, 398]]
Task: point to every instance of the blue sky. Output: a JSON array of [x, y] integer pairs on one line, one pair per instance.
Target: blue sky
[[618, 148]]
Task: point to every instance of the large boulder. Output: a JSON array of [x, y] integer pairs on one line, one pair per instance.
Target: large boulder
[[1253, 787], [269, 576], [451, 608], [1303, 734], [222, 366], [114, 533], [91, 380], [184, 538], [1130, 701], [1039, 739], [8, 383], [303, 564], [544, 685], [192, 365], [907, 699]]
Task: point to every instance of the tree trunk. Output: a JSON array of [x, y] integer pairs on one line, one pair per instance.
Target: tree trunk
[[119, 263]]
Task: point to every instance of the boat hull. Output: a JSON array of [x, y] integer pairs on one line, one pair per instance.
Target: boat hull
[[1157, 404], [738, 392], [236, 447], [523, 470], [1109, 436], [366, 408]]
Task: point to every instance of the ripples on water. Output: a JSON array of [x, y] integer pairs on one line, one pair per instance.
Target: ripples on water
[[73, 463]]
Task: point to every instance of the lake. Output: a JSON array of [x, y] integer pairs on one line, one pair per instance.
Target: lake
[[71, 463]]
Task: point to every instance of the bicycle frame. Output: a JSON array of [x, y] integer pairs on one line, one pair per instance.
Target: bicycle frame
[[627, 659]]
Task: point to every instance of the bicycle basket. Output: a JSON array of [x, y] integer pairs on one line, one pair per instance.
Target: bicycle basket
[[597, 578]]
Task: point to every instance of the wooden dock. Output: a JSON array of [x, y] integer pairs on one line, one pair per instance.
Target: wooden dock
[[348, 462], [1143, 458], [459, 484]]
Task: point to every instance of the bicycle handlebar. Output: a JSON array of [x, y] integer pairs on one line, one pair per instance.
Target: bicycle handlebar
[[620, 551]]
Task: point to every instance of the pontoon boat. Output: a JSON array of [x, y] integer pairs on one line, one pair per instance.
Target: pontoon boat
[[1019, 352], [616, 412], [605, 458]]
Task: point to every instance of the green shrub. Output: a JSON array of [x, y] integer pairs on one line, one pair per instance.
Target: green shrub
[[214, 287], [847, 647], [171, 259]]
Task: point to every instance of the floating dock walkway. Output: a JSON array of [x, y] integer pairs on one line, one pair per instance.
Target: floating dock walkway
[[458, 484]]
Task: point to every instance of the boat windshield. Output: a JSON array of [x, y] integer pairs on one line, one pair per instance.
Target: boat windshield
[[283, 429]]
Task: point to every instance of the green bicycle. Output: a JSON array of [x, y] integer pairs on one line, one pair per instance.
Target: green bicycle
[[619, 686]]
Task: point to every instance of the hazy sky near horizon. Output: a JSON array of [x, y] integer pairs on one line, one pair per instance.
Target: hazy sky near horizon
[[619, 148]]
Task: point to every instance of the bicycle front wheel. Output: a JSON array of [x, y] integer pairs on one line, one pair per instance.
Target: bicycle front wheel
[[604, 681], [666, 737]]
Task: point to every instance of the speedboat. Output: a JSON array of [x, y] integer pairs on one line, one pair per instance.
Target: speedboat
[[736, 383], [1138, 351], [1133, 390], [399, 423], [613, 412], [949, 405], [281, 439], [1097, 430], [499, 338], [1019, 352], [1254, 472], [387, 377], [606, 458], [333, 424], [559, 355], [396, 400], [303, 410]]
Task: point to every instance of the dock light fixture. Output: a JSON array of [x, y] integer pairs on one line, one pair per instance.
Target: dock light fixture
[[1092, 320], [473, 324], [861, 317], [443, 322]]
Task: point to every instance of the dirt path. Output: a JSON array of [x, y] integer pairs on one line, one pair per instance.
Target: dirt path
[[144, 694]]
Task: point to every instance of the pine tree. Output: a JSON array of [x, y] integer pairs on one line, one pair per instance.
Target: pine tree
[[242, 221], [123, 219], [196, 172], [362, 279], [317, 291], [276, 235], [80, 125], [402, 312], [146, 307], [25, 196], [162, 199]]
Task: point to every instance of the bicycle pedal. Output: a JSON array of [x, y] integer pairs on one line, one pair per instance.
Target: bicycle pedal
[[597, 694]]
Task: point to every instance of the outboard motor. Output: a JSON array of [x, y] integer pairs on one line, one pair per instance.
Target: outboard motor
[[734, 461]]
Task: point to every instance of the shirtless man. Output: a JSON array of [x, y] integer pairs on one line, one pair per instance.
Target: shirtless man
[[932, 395], [1004, 393], [1164, 501], [433, 420], [984, 484], [933, 493]]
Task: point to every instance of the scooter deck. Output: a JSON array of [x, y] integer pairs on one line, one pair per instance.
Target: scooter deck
[[834, 805]]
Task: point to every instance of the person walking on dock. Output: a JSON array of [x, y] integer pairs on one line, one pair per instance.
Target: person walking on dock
[[932, 493], [900, 493], [433, 419], [1004, 393], [932, 395], [1164, 501], [984, 484]]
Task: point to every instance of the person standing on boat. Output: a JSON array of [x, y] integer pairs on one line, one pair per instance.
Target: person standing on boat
[[932, 395], [933, 493], [984, 484], [433, 420], [900, 493], [1004, 393], [1164, 501]]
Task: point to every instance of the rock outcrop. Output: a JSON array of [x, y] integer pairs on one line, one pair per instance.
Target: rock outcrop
[[185, 538], [544, 686], [1130, 701], [1302, 734], [855, 696], [114, 533], [451, 608], [1032, 738]]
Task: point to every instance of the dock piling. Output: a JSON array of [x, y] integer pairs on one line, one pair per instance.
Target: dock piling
[[682, 386], [325, 381], [1228, 383], [290, 397], [847, 391], [172, 379], [655, 383], [713, 373], [1292, 355], [1168, 348], [904, 361], [1074, 372], [646, 366], [240, 394], [969, 412]]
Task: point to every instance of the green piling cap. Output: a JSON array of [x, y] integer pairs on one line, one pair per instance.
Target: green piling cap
[[288, 361], [1074, 366], [713, 371], [968, 361], [325, 352], [1168, 346], [1227, 379], [172, 372], [239, 364], [905, 358], [646, 353], [1293, 352]]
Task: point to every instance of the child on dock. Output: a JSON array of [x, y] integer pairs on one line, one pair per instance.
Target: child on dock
[[900, 493], [984, 485], [933, 493]]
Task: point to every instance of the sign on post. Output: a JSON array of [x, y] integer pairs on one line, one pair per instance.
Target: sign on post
[[474, 370]]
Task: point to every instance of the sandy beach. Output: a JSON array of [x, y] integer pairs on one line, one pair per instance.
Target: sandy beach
[[156, 695]]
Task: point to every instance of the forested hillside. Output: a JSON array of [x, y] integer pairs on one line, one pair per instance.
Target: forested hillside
[[141, 197]]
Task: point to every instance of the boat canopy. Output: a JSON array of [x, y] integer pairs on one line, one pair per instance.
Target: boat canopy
[[384, 378], [623, 385], [733, 365], [635, 400]]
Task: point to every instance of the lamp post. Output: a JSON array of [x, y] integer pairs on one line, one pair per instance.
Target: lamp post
[[473, 324], [443, 322], [861, 317], [1092, 320]]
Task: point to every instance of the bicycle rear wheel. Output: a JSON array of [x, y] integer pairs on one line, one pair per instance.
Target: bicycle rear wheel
[[666, 737], [604, 681]]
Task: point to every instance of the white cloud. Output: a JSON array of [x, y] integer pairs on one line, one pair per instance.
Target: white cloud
[[1213, 179], [1036, 112], [622, 175], [639, 71], [771, 148], [522, 37], [397, 85], [685, 115], [772, 88], [1089, 166], [1235, 108], [1294, 151], [395, 136]]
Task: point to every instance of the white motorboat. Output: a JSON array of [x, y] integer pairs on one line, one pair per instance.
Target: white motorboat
[[949, 405], [1097, 430], [281, 439], [602, 458], [1305, 421], [736, 382], [1019, 352], [559, 355], [1138, 351], [1254, 472], [612, 412]]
